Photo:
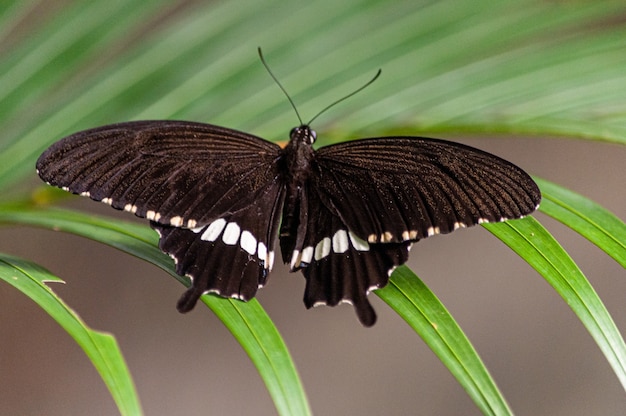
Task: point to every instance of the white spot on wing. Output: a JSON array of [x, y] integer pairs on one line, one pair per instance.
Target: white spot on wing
[[412, 235], [107, 201], [373, 287], [262, 253], [248, 242], [357, 243], [86, 193], [130, 208], [271, 260], [307, 254], [322, 249], [432, 231], [213, 230], [340, 241], [231, 233], [176, 221], [150, 215], [192, 223], [458, 225], [173, 257], [295, 259]]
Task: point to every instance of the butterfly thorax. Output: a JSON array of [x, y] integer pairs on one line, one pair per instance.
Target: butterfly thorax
[[296, 158]]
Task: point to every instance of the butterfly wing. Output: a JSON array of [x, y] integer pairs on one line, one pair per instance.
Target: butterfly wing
[[172, 172], [397, 189], [368, 200], [338, 265], [213, 194], [231, 256]]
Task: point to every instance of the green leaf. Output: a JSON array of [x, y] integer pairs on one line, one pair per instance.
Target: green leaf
[[247, 321], [421, 309], [534, 244], [586, 217], [101, 348]]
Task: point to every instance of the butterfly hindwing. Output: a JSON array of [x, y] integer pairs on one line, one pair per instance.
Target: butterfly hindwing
[[338, 265], [396, 189], [173, 172], [232, 255]]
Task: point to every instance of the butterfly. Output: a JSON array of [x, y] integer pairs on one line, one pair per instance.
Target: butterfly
[[345, 215]]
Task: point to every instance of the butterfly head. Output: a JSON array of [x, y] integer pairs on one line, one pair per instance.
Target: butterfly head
[[303, 134]]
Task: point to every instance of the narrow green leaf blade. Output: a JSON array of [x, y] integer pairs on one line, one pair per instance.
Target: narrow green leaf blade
[[420, 308], [101, 348], [534, 244], [11, 14], [247, 321], [259, 337], [589, 219]]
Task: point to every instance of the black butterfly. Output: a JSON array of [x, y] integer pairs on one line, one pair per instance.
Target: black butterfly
[[346, 215]]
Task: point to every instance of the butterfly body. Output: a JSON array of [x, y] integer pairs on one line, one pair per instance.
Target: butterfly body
[[295, 162], [345, 215]]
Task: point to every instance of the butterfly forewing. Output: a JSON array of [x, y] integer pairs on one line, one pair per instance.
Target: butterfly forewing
[[396, 189], [173, 172]]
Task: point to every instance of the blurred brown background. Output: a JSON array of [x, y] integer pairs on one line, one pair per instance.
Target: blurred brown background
[[538, 352]]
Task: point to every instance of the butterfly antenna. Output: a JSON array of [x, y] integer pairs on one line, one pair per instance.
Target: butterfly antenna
[[348, 96], [280, 85]]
